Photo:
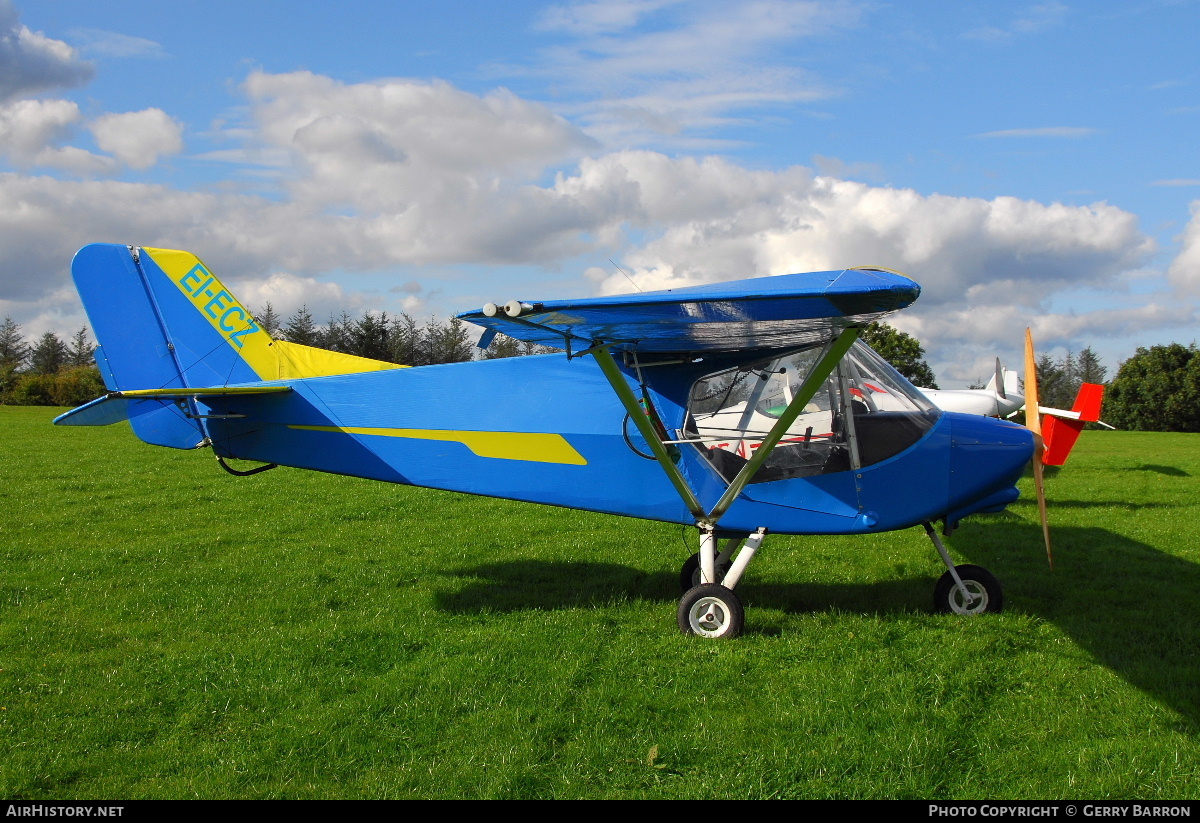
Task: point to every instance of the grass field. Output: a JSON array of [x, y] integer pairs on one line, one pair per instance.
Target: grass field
[[169, 631]]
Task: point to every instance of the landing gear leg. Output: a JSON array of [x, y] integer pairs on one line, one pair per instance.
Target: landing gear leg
[[711, 609], [964, 589]]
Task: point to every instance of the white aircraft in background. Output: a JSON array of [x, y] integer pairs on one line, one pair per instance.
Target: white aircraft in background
[[1001, 397], [1004, 397]]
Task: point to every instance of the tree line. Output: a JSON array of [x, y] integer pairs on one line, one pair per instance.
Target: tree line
[[55, 372], [50, 372], [399, 338], [1158, 389]]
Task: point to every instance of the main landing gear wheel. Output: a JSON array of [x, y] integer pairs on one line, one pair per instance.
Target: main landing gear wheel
[[711, 611], [982, 584], [689, 575]]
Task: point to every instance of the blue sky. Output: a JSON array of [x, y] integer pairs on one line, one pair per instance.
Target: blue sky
[[1027, 163]]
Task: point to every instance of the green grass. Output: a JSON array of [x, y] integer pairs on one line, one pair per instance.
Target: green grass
[[169, 631]]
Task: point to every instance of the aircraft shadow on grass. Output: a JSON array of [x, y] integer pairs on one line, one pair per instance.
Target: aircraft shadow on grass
[[1133, 608], [1170, 471], [1093, 503]]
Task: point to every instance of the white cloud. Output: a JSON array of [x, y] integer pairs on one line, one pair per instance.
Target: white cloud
[[139, 138], [987, 267], [31, 62], [75, 160], [100, 43], [29, 130], [1041, 16], [718, 221], [430, 173], [962, 343], [340, 131], [836, 167], [1036, 18], [689, 66], [380, 176], [29, 126], [599, 17], [1184, 273], [288, 292]]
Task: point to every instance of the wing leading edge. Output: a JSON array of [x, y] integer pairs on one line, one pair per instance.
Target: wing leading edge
[[759, 313]]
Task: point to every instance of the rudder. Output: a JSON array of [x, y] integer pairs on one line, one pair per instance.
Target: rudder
[[164, 321]]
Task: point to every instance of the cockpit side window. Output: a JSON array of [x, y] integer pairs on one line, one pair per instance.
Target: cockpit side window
[[863, 413], [890, 414]]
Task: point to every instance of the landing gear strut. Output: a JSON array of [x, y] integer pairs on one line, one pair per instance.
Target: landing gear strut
[[964, 589], [709, 607]]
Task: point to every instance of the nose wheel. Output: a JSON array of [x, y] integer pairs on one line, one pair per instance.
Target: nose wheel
[[982, 592], [964, 589], [712, 611]]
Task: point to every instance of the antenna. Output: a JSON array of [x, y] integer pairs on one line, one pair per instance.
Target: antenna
[[627, 277]]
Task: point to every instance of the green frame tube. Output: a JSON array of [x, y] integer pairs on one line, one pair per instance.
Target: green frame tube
[[640, 419], [820, 372]]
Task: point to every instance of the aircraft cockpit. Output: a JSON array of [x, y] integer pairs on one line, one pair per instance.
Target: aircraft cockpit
[[730, 412]]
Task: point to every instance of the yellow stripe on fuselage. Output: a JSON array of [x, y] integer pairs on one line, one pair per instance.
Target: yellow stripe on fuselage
[[538, 447]]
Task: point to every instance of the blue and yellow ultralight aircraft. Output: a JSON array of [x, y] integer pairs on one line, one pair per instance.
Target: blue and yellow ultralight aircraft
[[741, 408]]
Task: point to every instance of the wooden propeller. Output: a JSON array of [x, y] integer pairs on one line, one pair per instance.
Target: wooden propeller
[[1033, 420]]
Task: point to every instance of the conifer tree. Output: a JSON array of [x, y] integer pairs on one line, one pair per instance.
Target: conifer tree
[[502, 346], [81, 349], [406, 341], [13, 348], [49, 355], [268, 320], [301, 329], [369, 336], [1088, 368]]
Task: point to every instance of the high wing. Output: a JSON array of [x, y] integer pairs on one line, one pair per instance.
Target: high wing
[[759, 313]]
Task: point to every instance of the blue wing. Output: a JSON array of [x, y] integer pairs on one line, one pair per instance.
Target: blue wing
[[760, 313]]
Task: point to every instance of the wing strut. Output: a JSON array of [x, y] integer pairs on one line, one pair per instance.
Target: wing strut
[[642, 421], [820, 372], [824, 367]]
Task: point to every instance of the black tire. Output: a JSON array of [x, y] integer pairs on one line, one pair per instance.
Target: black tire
[[689, 575], [711, 611], [979, 581]]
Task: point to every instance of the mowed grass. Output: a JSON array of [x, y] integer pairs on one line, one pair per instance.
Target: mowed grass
[[169, 631]]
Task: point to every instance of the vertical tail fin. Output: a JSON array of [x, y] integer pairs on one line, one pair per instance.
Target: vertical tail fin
[[164, 321], [1012, 383], [1060, 433]]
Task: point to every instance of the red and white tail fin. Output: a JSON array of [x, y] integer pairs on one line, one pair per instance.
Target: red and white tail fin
[[1061, 429]]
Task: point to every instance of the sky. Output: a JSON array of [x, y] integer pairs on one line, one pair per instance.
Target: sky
[[1029, 164]]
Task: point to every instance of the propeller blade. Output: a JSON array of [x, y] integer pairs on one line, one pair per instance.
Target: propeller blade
[[1039, 484], [1033, 420], [1000, 380]]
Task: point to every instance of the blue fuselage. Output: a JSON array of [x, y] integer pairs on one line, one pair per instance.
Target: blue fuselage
[[549, 429]]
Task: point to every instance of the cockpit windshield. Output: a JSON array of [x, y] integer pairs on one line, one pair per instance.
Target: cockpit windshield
[[732, 411]]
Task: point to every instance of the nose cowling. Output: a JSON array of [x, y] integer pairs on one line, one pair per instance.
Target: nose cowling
[[987, 458]]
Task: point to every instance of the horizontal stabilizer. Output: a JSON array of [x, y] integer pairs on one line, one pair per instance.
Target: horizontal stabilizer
[[123, 405]]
